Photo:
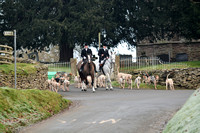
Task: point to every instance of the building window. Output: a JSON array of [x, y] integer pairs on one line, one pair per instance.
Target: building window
[[181, 57]]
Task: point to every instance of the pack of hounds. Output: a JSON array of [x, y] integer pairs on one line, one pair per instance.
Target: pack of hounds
[[61, 81], [124, 78]]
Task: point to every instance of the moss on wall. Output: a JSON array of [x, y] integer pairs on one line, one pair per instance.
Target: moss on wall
[[28, 75]]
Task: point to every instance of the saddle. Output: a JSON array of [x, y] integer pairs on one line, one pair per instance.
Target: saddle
[[83, 64]]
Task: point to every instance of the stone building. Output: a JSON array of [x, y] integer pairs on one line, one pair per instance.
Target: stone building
[[50, 54], [175, 51]]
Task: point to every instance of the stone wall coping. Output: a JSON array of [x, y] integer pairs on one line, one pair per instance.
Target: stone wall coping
[[164, 43]]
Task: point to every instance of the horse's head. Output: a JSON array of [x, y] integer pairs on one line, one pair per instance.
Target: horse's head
[[112, 57], [89, 58]]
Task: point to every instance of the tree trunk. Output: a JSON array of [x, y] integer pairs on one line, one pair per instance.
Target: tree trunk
[[66, 52]]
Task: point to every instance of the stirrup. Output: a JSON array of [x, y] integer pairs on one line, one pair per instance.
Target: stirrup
[[80, 70]]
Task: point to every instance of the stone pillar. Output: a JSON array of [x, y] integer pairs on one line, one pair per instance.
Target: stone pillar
[[73, 63], [117, 65]]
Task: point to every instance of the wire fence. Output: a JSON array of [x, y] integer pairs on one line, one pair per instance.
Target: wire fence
[[126, 65], [59, 67], [148, 63]]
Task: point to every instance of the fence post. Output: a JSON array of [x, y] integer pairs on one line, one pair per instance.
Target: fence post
[[73, 63], [117, 65]]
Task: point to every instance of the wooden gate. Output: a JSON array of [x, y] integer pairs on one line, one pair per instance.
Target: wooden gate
[[6, 54]]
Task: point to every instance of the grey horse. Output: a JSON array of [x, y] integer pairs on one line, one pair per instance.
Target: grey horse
[[108, 69]]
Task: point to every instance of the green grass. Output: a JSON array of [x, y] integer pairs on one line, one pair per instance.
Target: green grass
[[187, 119], [59, 69], [22, 68], [179, 65], [193, 64], [22, 107]]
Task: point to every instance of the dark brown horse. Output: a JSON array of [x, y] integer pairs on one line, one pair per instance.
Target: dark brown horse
[[88, 70]]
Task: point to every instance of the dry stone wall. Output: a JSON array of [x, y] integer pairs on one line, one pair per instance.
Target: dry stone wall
[[35, 80], [183, 78], [192, 50]]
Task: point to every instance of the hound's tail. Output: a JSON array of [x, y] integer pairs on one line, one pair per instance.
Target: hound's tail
[[168, 75]]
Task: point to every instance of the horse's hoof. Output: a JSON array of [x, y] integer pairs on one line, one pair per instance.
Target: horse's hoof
[[106, 89], [111, 89], [85, 90]]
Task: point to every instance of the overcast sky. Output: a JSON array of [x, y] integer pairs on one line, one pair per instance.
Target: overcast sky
[[120, 49]]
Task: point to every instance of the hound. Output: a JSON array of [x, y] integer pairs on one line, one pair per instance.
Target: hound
[[76, 81], [55, 85], [122, 81], [49, 84], [154, 80], [169, 82], [125, 75], [145, 79], [138, 82], [101, 80], [129, 82]]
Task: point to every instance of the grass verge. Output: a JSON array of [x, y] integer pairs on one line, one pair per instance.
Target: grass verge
[[187, 118], [193, 64], [19, 108], [22, 68], [59, 69], [175, 65]]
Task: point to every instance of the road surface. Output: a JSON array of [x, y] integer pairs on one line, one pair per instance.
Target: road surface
[[118, 111]]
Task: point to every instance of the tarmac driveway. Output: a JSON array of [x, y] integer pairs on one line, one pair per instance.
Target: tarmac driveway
[[118, 111]]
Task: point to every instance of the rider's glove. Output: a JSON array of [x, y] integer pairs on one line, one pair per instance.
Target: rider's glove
[[84, 57]]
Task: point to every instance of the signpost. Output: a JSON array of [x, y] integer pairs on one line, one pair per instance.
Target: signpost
[[8, 33], [13, 33], [103, 32]]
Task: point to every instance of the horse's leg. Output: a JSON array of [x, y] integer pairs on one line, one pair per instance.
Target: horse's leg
[[109, 81], [82, 86], [95, 82], [106, 82], [92, 76]]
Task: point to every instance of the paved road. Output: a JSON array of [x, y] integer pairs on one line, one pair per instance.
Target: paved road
[[118, 111]]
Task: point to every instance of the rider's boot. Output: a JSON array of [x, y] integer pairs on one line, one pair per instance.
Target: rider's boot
[[95, 70], [100, 67]]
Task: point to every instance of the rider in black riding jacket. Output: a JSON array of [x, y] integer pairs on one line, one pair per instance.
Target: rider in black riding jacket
[[103, 54], [84, 54]]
